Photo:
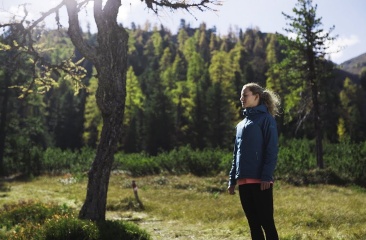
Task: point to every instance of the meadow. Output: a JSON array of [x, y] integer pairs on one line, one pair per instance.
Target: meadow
[[190, 207]]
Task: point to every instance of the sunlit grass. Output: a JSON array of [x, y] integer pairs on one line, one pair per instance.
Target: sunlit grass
[[188, 207]]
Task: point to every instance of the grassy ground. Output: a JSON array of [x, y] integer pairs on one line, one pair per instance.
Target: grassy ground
[[188, 207]]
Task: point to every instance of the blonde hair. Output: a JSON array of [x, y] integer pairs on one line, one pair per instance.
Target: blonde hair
[[267, 97]]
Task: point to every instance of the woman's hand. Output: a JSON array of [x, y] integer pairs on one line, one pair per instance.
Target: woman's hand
[[231, 190], [265, 185]]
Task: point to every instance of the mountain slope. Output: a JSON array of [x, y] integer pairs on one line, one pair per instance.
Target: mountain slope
[[354, 65]]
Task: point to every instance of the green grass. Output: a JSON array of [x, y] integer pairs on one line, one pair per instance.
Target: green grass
[[189, 207]]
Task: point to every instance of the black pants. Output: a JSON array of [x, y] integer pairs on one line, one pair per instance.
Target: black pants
[[258, 208]]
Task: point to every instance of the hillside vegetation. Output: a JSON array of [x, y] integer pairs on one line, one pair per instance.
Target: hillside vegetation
[[182, 89], [354, 65]]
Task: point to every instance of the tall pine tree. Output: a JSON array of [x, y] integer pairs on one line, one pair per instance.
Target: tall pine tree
[[304, 54]]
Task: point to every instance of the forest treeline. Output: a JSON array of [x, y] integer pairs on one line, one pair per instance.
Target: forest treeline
[[182, 89]]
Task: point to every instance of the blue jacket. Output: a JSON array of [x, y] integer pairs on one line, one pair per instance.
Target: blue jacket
[[256, 146]]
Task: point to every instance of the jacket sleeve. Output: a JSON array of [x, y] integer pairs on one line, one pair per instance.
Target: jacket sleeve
[[270, 148], [232, 179]]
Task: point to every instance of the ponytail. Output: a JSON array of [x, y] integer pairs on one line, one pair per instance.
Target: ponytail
[[267, 97]]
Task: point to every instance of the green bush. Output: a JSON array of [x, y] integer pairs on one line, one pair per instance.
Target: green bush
[[137, 164], [345, 161], [198, 162], [206, 162], [83, 160], [175, 161], [29, 212], [182, 160], [40, 221], [348, 160], [121, 230], [314, 176], [68, 228], [295, 156], [71, 228], [56, 160], [26, 160], [59, 161]]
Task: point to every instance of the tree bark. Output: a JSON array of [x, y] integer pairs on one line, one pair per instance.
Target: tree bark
[[312, 76], [110, 60], [4, 113], [10, 66], [317, 126]]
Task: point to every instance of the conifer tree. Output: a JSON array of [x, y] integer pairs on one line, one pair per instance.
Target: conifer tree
[[238, 62], [222, 100], [203, 42], [93, 119], [197, 77], [28, 129], [132, 122], [351, 120], [304, 55]]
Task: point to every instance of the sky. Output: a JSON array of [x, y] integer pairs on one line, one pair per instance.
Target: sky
[[348, 17]]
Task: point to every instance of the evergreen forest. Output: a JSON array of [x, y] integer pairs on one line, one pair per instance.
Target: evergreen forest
[[182, 90]]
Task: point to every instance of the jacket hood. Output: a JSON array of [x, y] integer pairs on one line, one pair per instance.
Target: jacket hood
[[261, 108]]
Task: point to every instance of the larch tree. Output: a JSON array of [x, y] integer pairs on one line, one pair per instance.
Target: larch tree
[[305, 53], [222, 106], [351, 101], [109, 58], [92, 118]]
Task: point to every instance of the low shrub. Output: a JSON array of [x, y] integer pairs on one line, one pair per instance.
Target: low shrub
[[59, 161], [137, 164], [26, 212], [26, 160], [348, 160], [121, 230], [314, 176], [205, 162], [68, 228], [40, 221], [184, 160], [56, 160], [178, 161], [295, 156], [344, 162], [83, 160]]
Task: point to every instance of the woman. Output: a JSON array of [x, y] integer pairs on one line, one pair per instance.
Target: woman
[[254, 159]]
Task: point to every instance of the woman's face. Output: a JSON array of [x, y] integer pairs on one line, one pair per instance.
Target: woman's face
[[247, 98]]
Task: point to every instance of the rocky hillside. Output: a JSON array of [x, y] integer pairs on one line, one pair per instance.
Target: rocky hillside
[[354, 65]]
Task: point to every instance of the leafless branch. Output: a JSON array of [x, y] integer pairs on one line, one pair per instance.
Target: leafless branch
[[46, 14], [186, 5], [75, 30]]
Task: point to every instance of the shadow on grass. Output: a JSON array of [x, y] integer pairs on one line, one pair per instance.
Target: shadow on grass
[[16, 178]]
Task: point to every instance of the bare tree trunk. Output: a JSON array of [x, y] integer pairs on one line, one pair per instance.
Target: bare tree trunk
[[4, 113], [110, 96], [317, 119], [318, 127], [110, 60], [9, 67]]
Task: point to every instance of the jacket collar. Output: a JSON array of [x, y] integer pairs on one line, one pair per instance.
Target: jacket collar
[[255, 110]]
